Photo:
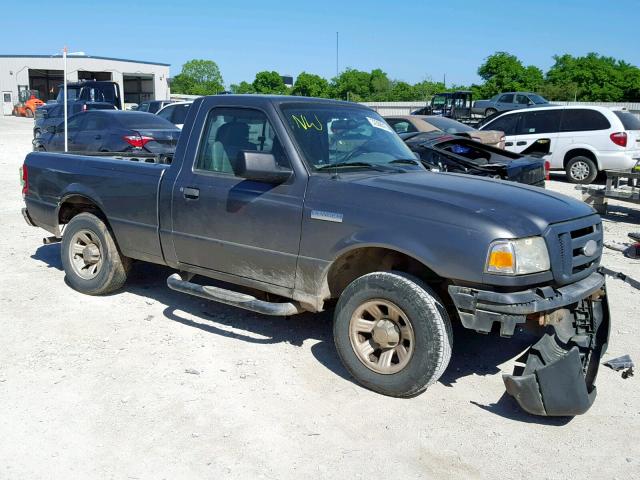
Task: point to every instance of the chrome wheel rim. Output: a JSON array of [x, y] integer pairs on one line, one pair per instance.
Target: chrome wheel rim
[[382, 336], [580, 170], [85, 254]]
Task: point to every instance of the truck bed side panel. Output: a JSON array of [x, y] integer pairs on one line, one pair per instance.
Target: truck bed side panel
[[125, 191]]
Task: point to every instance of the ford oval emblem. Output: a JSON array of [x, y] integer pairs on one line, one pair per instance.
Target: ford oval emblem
[[590, 248]]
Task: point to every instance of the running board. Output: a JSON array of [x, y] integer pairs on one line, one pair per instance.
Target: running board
[[235, 299]]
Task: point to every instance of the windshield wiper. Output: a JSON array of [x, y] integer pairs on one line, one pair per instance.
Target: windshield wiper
[[406, 161], [378, 168]]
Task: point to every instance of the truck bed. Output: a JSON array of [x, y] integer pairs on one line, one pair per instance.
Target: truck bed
[[126, 191]]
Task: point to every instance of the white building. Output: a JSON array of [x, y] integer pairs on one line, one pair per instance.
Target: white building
[[138, 80]]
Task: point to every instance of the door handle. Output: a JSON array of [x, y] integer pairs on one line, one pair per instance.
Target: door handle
[[190, 193], [521, 143], [508, 144]]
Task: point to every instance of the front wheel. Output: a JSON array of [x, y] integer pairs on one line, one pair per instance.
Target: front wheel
[[489, 111], [392, 333], [581, 170], [90, 257]]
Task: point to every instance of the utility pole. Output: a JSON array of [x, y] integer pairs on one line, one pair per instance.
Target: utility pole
[[444, 81]]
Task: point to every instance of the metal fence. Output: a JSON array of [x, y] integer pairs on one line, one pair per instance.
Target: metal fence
[[405, 108]]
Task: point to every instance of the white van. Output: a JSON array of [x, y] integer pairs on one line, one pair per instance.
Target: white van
[[582, 141]]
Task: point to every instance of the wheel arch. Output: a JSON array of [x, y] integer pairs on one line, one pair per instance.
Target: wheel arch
[[580, 151], [77, 201], [361, 259]]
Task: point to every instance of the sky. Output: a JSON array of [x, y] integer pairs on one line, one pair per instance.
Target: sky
[[411, 41]]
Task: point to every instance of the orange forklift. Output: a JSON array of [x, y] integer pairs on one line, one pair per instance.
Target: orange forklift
[[28, 101]]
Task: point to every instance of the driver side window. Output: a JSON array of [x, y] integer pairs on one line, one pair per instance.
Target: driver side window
[[72, 125], [228, 132]]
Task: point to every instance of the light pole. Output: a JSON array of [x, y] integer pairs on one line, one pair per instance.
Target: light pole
[[64, 87]]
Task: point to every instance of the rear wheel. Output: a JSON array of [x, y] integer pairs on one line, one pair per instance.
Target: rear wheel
[[392, 333], [582, 170], [489, 111], [91, 260]]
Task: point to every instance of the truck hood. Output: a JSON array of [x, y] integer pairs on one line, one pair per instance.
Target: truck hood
[[521, 209]]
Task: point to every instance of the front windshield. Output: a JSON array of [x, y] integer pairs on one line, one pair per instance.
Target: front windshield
[[537, 99], [331, 135], [72, 94], [448, 125], [439, 100]]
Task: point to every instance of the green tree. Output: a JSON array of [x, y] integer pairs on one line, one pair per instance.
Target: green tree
[[198, 77], [503, 72], [379, 86], [311, 85], [243, 87], [594, 78], [354, 85], [269, 83], [426, 89], [402, 92]]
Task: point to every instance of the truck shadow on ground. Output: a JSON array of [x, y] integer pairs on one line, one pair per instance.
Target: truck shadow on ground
[[473, 354]]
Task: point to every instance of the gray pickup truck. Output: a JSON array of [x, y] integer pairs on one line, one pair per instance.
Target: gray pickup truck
[[319, 204]]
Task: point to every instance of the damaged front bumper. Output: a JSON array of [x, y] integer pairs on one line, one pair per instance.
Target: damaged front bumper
[[558, 378]]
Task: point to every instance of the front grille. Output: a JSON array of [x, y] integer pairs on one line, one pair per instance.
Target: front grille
[[566, 242]]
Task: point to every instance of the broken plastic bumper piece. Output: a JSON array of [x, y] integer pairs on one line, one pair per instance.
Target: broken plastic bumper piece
[[559, 371]]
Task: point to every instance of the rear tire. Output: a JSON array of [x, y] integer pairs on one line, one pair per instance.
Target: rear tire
[[489, 111], [90, 257], [581, 170], [392, 333]]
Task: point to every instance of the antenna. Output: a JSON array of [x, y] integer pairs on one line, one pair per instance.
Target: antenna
[[337, 53]]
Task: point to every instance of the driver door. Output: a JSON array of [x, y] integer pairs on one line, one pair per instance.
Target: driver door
[[225, 223]]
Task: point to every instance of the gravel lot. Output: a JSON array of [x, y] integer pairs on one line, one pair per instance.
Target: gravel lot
[[149, 383]]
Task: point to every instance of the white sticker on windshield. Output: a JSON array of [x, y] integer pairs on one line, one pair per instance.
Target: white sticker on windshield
[[379, 124]]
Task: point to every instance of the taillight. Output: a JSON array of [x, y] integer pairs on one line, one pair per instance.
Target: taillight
[[24, 179], [137, 141], [619, 138], [547, 170]]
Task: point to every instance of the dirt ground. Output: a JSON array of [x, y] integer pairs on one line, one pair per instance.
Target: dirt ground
[[149, 383]]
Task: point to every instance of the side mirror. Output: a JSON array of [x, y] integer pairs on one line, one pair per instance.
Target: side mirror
[[261, 167]]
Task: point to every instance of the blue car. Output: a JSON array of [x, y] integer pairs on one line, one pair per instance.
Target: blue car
[[111, 131]]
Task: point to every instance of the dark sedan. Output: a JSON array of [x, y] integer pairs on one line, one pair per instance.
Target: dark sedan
[[447, 153], [112, 131]]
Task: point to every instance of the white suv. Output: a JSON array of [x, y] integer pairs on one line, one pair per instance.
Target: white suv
[[175, 112], [582, 141]]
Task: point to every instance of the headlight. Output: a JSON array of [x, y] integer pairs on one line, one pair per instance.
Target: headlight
[[518, 257]]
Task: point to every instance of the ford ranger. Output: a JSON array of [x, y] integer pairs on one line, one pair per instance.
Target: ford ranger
[[263, 194]]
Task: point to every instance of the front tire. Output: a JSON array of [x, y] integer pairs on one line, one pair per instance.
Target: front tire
[[392, 333], [581, 170], [90, 257]]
